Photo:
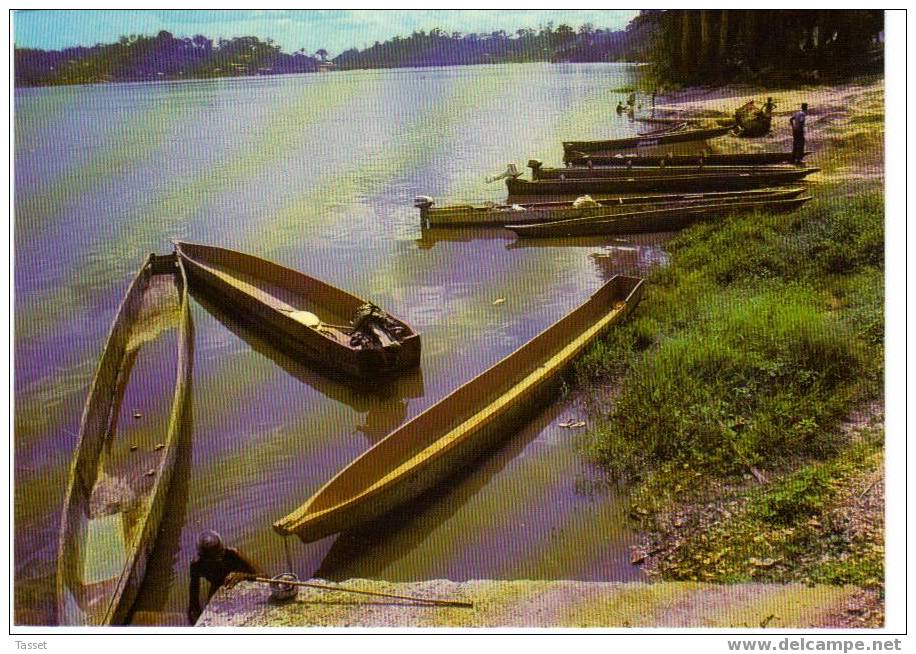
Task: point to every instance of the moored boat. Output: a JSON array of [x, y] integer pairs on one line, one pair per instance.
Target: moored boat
[[653, 171], [583, 159], [122, 467], [709, 180], [462, 426], [495, 215], [304, 315], [655, 220], [681, 136]]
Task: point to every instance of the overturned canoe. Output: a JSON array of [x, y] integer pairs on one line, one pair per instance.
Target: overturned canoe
[[657, 220], [613, 172], [496, 215], [462, 426], [304, 315], [697, 182], [582, 159], [681, 136], [120, 474]]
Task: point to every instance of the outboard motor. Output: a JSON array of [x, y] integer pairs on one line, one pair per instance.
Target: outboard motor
[[373, 328], [423, 203]]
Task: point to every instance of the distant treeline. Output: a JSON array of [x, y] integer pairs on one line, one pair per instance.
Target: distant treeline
[[710, 45], [562, 43], [138, 58]]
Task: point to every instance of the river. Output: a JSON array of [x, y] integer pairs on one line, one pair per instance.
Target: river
[[317, 172]]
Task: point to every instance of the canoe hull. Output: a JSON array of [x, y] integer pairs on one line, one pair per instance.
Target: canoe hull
[[696, 183], [582, 159], [660, 220], [646, 141], [615, 172], [467, 216], [109, 601], [295, 337], [482, 419]]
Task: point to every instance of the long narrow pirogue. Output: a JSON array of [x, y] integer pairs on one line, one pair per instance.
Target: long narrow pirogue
[[304, 315], [708, 180], [463, 215], [120, 474], [632, 159], [617, 172], [657, 220], [646, 141], [462, 426]]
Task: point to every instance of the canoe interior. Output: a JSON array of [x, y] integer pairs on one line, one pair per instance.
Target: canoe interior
[[280, 288], [499, 390], [122, 467]]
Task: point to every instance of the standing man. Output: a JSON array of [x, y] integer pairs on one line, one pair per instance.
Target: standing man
[[797, 121], [215, 562]]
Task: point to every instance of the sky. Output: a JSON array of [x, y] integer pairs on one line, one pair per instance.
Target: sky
[[334, 30]]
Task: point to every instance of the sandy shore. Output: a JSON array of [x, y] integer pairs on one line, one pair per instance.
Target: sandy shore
[[845, 126], [532, 604]]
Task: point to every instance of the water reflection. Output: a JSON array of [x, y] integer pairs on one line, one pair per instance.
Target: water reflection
[[385, 404]]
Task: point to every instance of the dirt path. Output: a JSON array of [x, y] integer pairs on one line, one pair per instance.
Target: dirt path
[[539, 604]]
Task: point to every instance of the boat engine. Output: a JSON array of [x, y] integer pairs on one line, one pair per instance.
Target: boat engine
[[373, 328]]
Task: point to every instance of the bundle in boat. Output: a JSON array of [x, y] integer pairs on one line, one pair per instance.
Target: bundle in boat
[[465, 215], [304, 315], [615, 172], [461, 427], [656, 220], [122, 467], [707, 180], [681, 136]]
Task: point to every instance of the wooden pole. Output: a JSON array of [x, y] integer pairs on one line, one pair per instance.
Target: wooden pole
[[344, 589]]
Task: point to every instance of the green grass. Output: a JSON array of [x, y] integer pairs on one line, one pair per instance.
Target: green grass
[[760, 335]]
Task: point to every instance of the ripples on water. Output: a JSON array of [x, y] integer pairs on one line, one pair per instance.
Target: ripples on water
[[316, 172]]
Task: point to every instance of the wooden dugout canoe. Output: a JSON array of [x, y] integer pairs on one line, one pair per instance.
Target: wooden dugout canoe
[[657, 220], [706, 181], [462, 426], [597, 159], [646, 141], [536, 212], [614, 172], [302, 314], [122, 468]]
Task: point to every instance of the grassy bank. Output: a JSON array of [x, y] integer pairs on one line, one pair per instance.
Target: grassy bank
[[733, 387]]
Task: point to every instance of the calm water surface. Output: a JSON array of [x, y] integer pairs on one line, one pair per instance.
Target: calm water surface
[[316, 172]]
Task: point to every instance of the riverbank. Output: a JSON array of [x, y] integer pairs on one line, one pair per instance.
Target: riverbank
[[744, 403], [532, 604]]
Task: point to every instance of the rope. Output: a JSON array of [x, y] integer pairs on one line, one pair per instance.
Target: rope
[[343, 589]]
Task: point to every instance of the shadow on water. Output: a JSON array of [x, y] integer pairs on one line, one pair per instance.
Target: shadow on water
[[398, 533], [161, 569], [384, 403], [430, 237]]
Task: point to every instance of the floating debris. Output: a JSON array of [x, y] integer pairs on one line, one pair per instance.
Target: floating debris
[[133, 448], [572, 424], [150, 473], [499, 300], [159, 446], [137, 414]]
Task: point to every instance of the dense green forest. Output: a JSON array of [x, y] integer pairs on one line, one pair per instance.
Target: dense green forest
[[686, 46], [699, 46], [137, 57]]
